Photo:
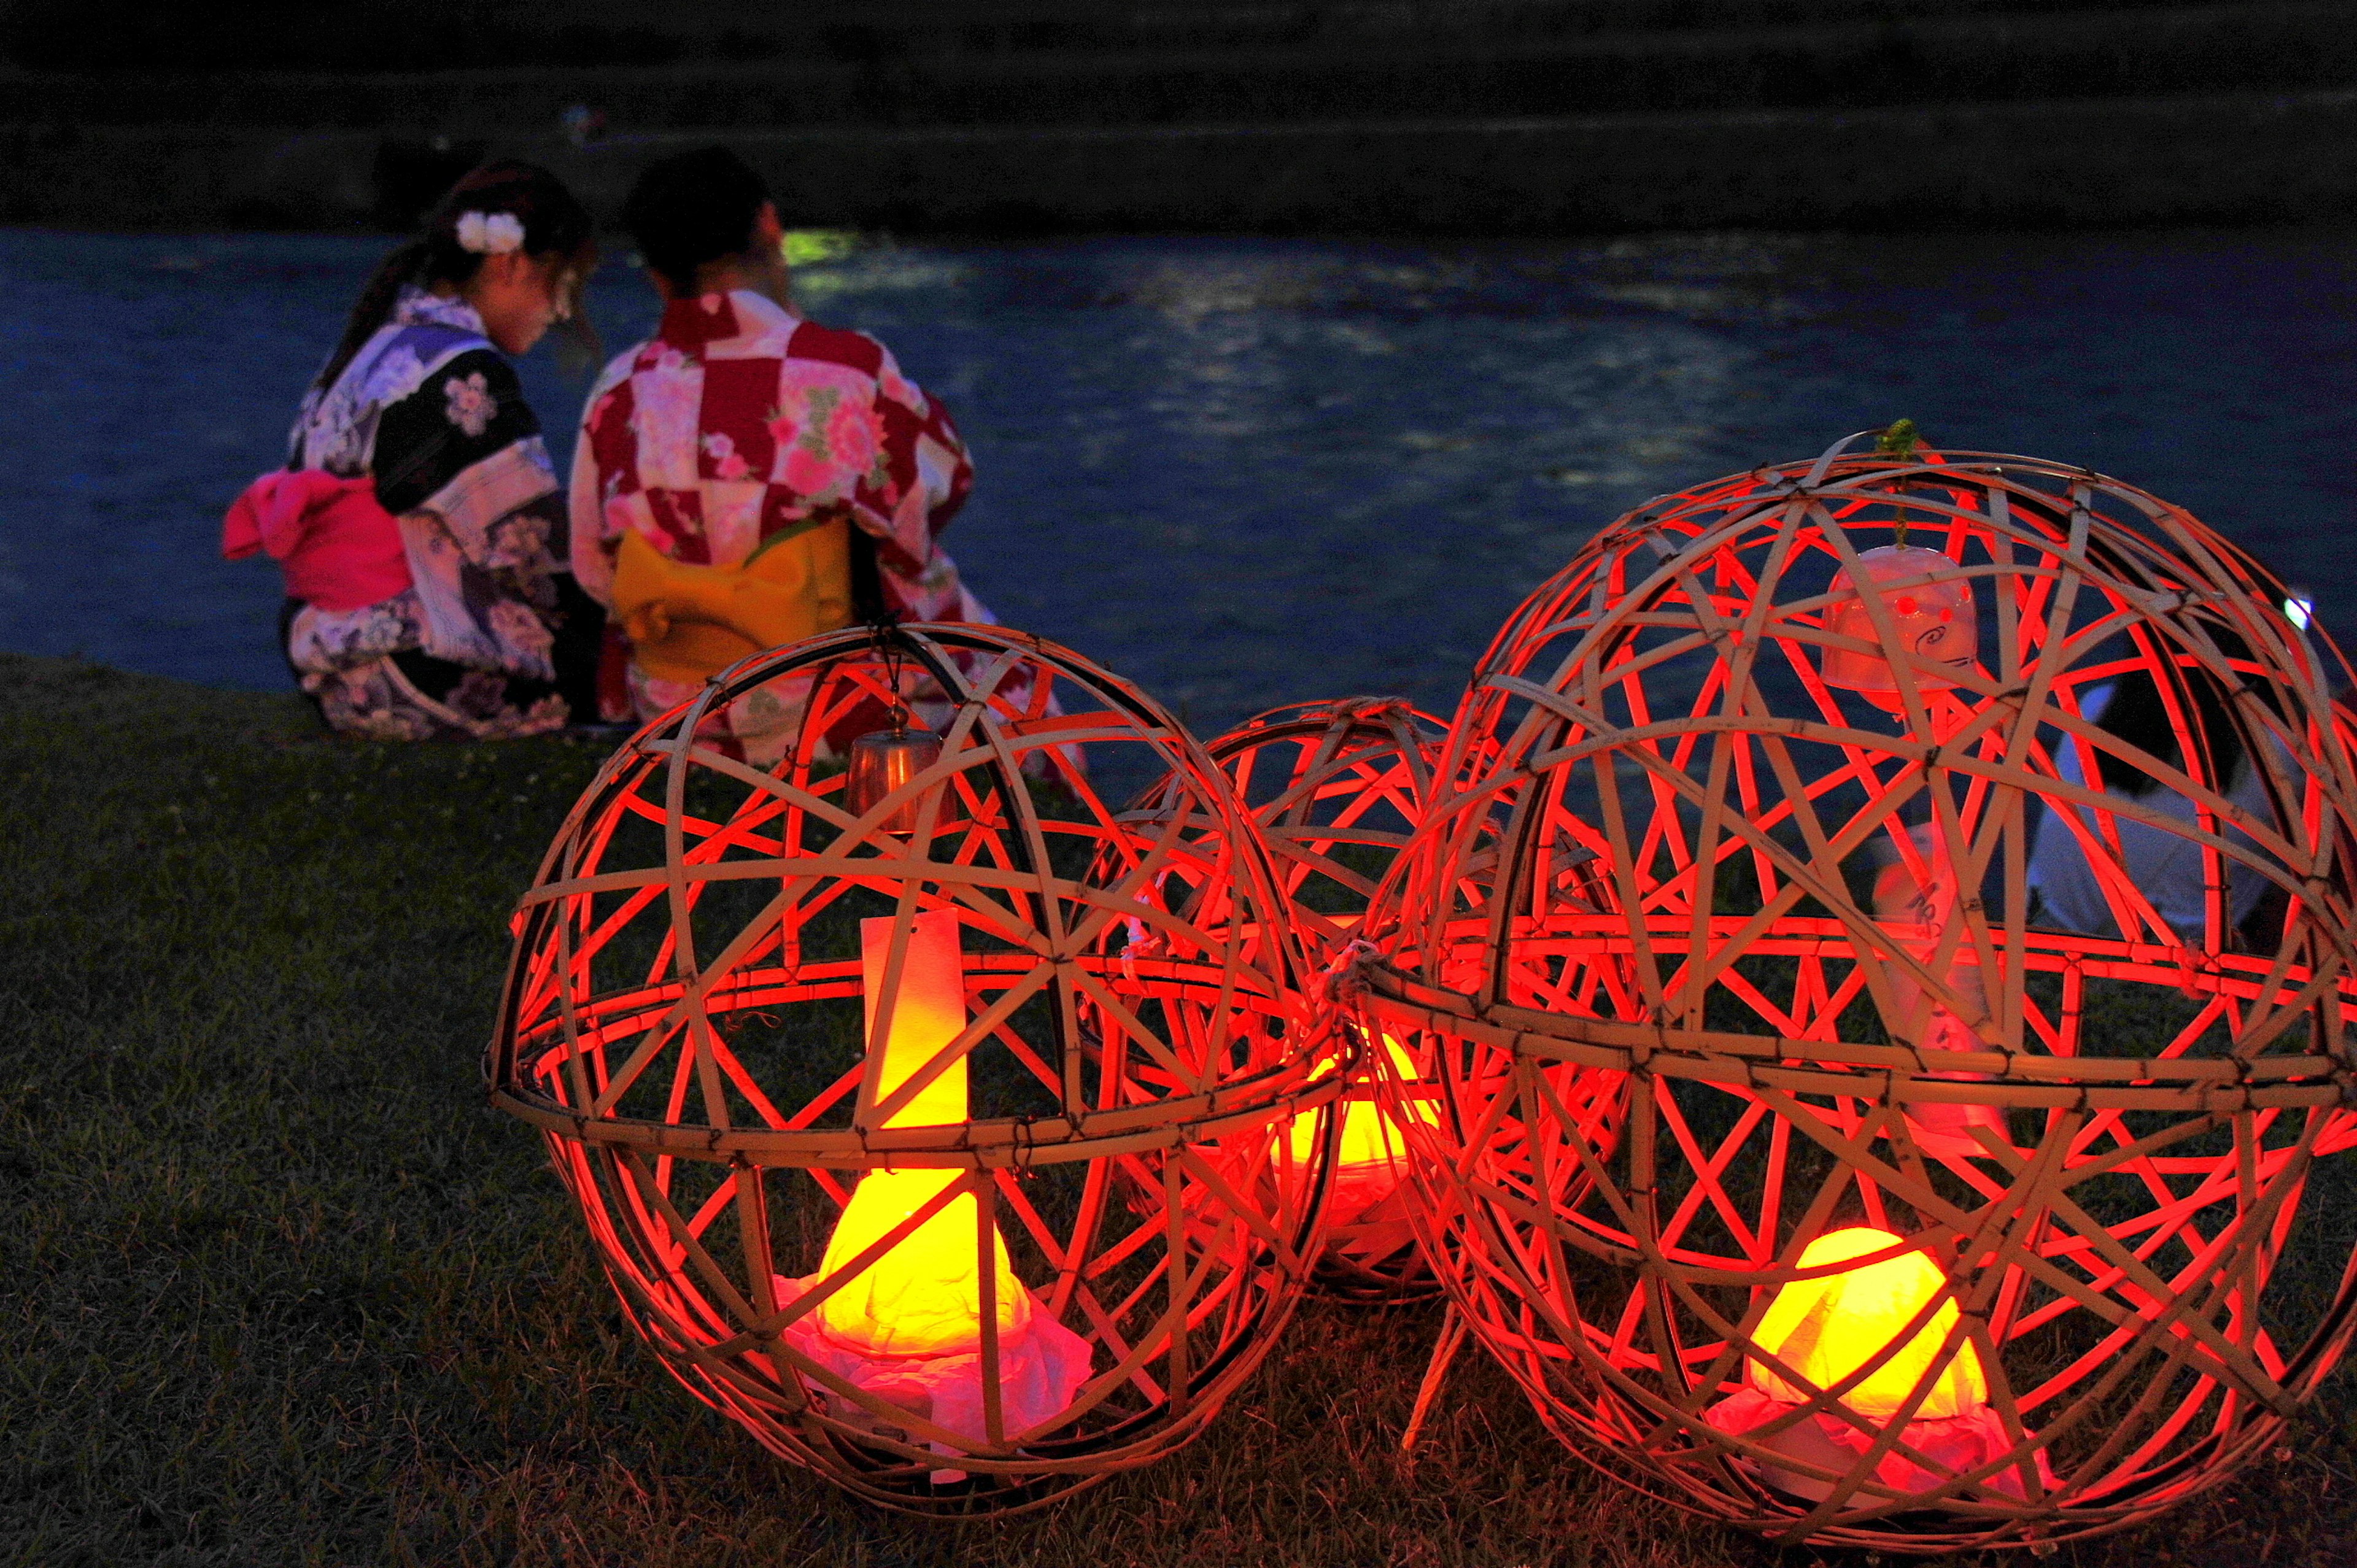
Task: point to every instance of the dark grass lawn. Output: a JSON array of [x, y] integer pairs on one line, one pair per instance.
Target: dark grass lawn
[[276, 1286]]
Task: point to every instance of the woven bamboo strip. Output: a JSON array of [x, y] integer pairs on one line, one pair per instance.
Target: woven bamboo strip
[[1670, 1077], [699, 907], [1336, 791]]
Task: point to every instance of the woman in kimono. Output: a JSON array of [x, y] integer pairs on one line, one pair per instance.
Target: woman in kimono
[[418, 522]]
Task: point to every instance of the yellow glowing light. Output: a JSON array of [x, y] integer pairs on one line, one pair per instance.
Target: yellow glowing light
[[1369, 1139], [1828, 1328], [924, 1296], [1366, 1163], [804, 247]]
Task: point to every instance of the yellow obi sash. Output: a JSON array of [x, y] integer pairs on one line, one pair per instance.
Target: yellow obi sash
[[688, 623]]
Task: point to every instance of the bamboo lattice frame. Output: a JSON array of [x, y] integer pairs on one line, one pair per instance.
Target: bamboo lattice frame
[[1337, 789], [1637, 943], [682, 1021]]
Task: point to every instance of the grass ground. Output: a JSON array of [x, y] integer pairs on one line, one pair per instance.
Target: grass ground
[[277, 1287]]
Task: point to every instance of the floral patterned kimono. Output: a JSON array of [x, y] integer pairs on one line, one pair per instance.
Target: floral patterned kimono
[[435, 415], [739, 423]]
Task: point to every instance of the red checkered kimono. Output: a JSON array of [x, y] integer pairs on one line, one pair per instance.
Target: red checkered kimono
[[739, 420]]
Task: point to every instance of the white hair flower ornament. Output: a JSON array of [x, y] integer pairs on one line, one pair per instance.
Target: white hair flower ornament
[[490, 233]]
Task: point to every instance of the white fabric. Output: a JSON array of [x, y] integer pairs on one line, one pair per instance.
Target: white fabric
[[1041, 1367], [335, 429], [2166, 866], [479, 497]]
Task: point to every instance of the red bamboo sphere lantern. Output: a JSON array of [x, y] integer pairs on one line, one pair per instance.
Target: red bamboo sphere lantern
[[1336, 789], [1883, 936], [917, 1131]]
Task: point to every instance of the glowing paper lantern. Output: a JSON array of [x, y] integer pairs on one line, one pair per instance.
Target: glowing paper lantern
[[1809, 928], [1869, 1321], [901, 1143], [1927, 602], [1336, 790], [1875, 1328], [1367, 1155], [908, 1325]]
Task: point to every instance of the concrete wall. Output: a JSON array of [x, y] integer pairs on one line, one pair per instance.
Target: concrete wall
[[2230, 158], [2276, 46]]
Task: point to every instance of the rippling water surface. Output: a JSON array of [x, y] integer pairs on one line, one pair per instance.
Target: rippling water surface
[[1249, 472]]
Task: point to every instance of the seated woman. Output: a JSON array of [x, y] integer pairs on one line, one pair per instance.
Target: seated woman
[[748, 478], [2168, 867], [418, 520]]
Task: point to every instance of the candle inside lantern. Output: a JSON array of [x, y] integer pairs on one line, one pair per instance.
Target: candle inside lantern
[[1825, 1329], [908, 1326], [1366, 1159], [924, 1296], [1930, 602]]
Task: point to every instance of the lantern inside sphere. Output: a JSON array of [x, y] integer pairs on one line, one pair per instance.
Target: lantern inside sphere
[[917, 1130], [2025, 974], [1927, 602], [1336, 789], [885, 759], [1834, 1327]]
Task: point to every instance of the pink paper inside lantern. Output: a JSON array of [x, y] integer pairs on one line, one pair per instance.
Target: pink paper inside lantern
[[1930, 602]]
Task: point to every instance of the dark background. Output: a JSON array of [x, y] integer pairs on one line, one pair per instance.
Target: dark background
[[1365, 116], [396, 35]]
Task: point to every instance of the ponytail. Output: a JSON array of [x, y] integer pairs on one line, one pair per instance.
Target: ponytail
[[374, 307], [553, 221], [2137, 715]]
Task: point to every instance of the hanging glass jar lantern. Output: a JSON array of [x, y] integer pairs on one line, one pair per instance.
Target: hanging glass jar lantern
[[887, 759]]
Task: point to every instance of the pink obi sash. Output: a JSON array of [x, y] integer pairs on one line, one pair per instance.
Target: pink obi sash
[[337, 547]]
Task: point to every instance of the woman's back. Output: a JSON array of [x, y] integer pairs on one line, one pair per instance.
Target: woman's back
[[420, 523]]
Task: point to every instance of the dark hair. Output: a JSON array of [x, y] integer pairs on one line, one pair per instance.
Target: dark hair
[[2137, 715], [555, 221], [691, 208]]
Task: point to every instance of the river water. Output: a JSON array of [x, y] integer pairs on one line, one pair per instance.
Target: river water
[[1244, 472]]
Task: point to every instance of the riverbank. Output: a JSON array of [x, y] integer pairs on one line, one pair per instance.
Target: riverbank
[[2212, 158], [285, 1291]]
